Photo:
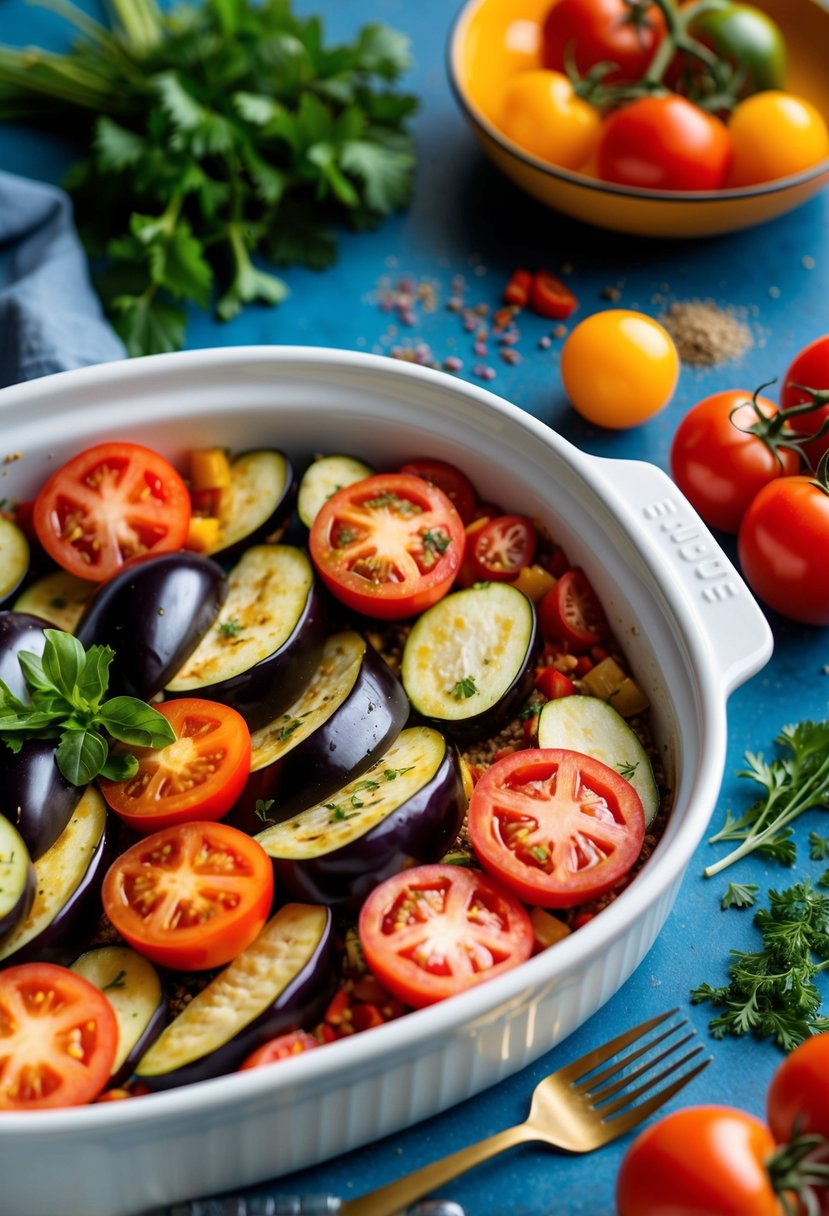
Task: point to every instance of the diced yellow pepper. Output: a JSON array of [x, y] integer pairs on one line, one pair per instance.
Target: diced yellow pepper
[[535, 582], [547, 929], [466, 778], [611, 682], [209, 469], [205, 534]]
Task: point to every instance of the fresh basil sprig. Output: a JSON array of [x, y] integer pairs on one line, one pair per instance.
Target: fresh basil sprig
[[67, 685]]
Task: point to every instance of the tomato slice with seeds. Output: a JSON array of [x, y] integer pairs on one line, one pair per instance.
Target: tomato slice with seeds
[[58, 1038], [502, 547], [192, 896], [436, 930], [281, 1048], [556, 827], [199, 776], [109, 504], [570, 612], [454, 483], [388, 546], [549, 297]]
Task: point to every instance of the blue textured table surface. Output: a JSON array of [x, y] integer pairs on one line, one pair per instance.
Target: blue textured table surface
[[466, 221]]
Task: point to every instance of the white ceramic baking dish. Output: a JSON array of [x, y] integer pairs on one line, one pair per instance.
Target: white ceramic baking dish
[[691, 631]]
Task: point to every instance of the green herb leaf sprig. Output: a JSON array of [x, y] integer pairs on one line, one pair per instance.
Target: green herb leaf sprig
[[222, 135], [67, 686], [794, 782]]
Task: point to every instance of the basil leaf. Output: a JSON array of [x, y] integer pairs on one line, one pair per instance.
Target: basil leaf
[[32, 667], [81, 755], [131, 721], [94, 677], [32, 722], [8, 700], [63, 661], [120, 767], [12, 742]]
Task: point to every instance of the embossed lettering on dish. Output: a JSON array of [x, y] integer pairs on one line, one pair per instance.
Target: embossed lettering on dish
[[695, 547]]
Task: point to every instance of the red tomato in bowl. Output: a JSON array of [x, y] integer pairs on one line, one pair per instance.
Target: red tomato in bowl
[[664, 143], [433, 931], [58, 1038], [699, 1161], [797, 1099], [109, 504], [199, 776], [557, 827], [719, 463], [810, 368], [588, 32], [388, 546], [191, 896]]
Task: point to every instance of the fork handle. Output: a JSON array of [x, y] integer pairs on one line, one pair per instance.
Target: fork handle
[[394, 1197]]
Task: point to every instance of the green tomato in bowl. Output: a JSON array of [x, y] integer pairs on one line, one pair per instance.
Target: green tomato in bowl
[[747, 38]]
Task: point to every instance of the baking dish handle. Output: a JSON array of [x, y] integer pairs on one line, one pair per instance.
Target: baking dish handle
[[664, 521]]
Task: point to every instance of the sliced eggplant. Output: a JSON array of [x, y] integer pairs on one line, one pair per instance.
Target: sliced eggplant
[[133, 988], [153, 614], [262, 650], [17, 879], [19, 631], [405, 810], [257, 503], [349, 714], [281, 982], [14, 558], [593, 727], [467, 663], [35, 795], [323, 478], [66, 904], [58, 597]]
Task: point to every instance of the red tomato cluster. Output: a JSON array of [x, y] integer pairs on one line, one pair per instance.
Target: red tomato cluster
[[721, 1161], [663, 96], [762, 472]]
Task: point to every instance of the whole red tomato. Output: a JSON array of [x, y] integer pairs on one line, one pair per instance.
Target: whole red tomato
[[810, 367], [699, 1161], [797, 1099], [602, 31], [782, 544], [664, 143], [720, 459]]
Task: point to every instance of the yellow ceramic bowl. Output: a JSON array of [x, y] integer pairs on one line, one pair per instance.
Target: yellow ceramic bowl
[[493, 40]]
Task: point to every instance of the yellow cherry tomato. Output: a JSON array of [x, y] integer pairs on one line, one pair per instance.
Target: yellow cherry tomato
[[542, 114], [619, 367], [775, 134]]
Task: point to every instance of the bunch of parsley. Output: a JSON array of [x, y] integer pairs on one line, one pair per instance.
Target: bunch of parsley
[[223, 136]]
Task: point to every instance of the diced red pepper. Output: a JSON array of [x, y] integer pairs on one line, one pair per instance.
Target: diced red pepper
[[366, 1017], [517, 290], [554, 684]]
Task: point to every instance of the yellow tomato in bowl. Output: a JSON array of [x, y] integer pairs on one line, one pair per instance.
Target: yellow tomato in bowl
[[775, 134], [543, 116]]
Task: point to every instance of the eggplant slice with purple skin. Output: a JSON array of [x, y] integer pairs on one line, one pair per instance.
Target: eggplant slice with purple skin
[[17, 879], [405, 810], [35, 795], [352, 710], [468, 661], [261, 652], [283, 981], [19, 631], [153, 614], [133, 988], [258, 502], [66, 906]]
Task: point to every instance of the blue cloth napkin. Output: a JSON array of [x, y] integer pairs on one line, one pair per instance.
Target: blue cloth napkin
[[50, 318]]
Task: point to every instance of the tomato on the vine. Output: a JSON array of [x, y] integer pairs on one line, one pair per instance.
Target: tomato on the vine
[[588, 32], [699, 1161], [775, 134], [810, 368], [782, 544], [664, 142], [543, 115], [748, 39], [619, 367], [720, 463], [797, 1099]]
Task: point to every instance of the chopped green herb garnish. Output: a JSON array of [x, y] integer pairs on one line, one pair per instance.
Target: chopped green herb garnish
[[391, 774], [436, 542], [464, 688], [263, 805], [740, 895], [287, 729], [118, 982], [344, 537], [627, 769], [528, 712], [231, 628], [338, 813], [403, 506]]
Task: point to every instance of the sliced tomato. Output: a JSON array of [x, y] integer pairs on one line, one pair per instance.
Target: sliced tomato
[[58, 1038], [556, 827], [109, 504], [281, 1048], [200, 776], [192, 896], [570, 612], [454, 483], [436, 930], [549, 297], [388, 546], [502, 547]]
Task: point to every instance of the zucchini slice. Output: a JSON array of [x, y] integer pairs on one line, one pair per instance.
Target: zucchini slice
[[58, 597], [258, 500], [133, 988], [282, 981], [467, 663], [14, 557], [593, 727], [17, 878], [323, 478]]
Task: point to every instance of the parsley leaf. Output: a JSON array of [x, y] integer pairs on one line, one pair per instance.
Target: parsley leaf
[[739, 895]]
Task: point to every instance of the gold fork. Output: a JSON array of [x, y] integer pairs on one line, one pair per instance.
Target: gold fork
[[576, 1108]]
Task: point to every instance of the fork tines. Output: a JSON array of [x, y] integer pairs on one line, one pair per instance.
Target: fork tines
[[613, 1091]]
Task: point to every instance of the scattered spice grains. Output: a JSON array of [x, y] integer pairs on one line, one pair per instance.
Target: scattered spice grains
[[705, 334]]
